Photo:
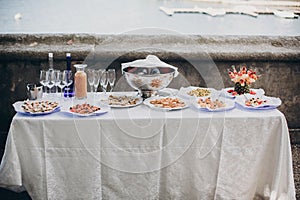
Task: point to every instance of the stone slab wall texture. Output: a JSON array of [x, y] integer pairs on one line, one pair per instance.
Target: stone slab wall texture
[[277, 59]]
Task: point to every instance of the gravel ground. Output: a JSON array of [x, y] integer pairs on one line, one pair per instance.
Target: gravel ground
[[296, 165]]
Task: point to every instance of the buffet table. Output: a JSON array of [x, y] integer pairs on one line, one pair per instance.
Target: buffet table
[[141, 153]]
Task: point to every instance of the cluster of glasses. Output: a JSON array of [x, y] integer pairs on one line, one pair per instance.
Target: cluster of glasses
[[55, 79], [102, 77]]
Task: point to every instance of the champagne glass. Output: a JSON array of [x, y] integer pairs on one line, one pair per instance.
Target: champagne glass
[[50, 79], [61, 84], [43, 80], [67, 80], [111, 78], [104, 81], [56, 81], [91, 78], [97, 77]]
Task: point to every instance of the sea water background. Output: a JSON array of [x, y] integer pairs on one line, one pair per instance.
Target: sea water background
[[121, 16]]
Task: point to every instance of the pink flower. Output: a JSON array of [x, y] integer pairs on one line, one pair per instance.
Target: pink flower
[[243, 76]]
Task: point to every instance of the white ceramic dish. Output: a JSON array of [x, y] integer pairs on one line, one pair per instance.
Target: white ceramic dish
[[147, 102], [272, 102], [130, 95], [183, 92], [18, 108], [103, 110], [229, 104]]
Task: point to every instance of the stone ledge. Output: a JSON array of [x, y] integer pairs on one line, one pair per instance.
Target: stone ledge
[[219, 48]]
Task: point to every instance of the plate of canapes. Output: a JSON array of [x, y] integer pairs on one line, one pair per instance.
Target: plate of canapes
[[85, 110], [119, 100], [166, 103], [34, 108], [213, 104], [258, 102]]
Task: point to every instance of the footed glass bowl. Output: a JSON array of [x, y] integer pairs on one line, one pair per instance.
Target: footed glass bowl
[[148, 80]]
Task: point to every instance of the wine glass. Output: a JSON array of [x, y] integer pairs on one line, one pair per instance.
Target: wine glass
[[104, 81], [43, 80], [91, 78], [61, 84], [56, 81], [67, 80], [50, 79], [97, 77], [111, 78]]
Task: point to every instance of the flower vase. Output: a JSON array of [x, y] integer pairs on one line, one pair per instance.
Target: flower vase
[[241, 89]]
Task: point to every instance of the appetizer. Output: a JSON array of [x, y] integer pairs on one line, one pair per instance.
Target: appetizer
[[199, 92], [168, 102], [255, 102], [209, 103], [39, 106], [122, 100], [84, 108]]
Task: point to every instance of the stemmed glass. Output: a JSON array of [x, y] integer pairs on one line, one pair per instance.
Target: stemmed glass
[[56, 81], [43, 80], [50, 79], [97, 76], [104, 81], [67, 80], [91, 78], [111, 78], [61, 84]]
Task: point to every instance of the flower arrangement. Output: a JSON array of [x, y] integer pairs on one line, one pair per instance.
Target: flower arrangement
[[242, 79]]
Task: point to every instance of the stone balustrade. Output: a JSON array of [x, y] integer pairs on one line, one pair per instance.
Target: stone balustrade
[[202, 61]]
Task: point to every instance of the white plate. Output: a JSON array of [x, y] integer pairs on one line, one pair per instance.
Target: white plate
[[272, 102], [147, 102], [18, 108], [224, 92], [183, 92], [229, 104], [131, 95], [103, 110]]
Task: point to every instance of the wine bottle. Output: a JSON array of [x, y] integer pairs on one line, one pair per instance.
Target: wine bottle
[[50, 70], [68, 58], [69, 91], [50, 61]]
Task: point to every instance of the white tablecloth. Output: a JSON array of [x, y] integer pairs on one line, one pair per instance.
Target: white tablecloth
[[139, 153]]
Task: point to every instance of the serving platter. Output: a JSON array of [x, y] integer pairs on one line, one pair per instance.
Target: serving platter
[[124, 100], [255, 102], [192, 91], [72, 110], [213, 104], [166, 103], [36, 108]]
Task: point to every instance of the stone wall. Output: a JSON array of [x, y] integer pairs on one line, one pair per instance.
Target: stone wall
[[202, 60]]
